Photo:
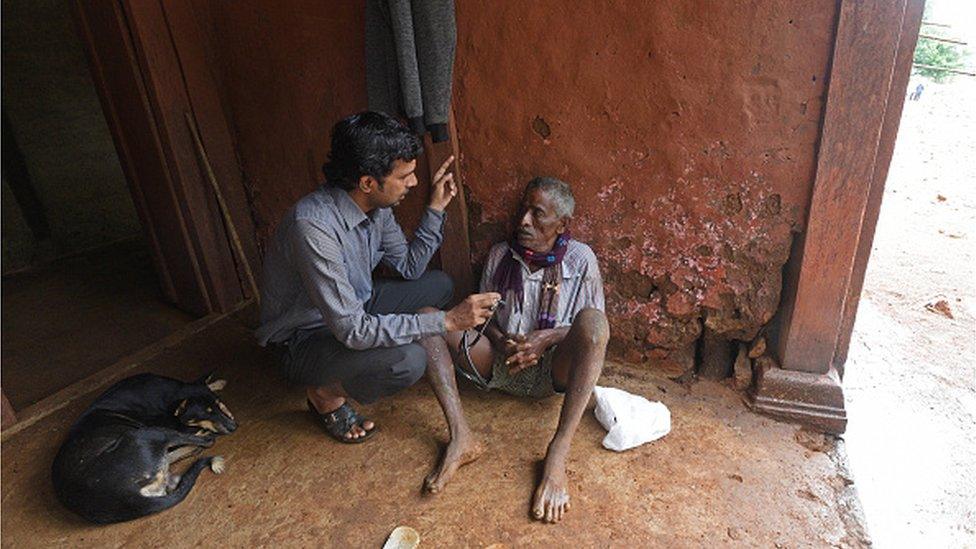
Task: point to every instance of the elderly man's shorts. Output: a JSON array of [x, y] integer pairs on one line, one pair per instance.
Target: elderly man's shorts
[[533, 382]]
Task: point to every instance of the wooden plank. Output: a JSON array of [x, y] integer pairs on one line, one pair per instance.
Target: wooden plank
[[229, 225], [196, 57], [456, 248], [118, 78], [863, 64], [166, 90], [944, 69], [892, 118], [942, 39]]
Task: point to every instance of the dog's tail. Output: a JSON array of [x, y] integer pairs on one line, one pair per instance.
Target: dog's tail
[[189, 478]]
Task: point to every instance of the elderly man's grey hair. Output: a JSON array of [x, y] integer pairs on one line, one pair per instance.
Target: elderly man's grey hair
[[560, 192]]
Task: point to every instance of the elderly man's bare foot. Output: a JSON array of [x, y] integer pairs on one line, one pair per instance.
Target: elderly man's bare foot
[[551, 500], [462, 450]]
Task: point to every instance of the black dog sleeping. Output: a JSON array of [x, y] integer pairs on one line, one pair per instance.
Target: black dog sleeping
[[114, 464]]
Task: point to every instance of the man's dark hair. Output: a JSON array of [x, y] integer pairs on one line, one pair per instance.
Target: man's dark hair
[[367, 143]]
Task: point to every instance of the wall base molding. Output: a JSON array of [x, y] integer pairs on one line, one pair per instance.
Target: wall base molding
[[813, 400]]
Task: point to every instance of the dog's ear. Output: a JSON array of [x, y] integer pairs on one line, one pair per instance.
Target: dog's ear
[[181, 407], [223, 408], [216, 384]]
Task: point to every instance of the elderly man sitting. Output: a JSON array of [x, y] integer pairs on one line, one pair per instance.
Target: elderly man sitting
[[550, 336]]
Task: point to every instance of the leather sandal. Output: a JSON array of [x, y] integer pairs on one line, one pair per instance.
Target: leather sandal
[[340, 421]]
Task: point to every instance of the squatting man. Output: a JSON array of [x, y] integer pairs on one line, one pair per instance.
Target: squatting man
[[346, 336]]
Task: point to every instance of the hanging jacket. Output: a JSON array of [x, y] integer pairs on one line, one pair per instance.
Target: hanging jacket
[[410, 48]]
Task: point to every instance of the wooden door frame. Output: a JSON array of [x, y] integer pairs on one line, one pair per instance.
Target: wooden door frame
[[148, 77], [871, 65], [456, 246]]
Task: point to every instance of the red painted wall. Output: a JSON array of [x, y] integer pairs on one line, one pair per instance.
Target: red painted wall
[[288, 72], [688, 130]]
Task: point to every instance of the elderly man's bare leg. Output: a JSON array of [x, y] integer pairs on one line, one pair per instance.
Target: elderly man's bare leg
[[464, 447], [576, 366]]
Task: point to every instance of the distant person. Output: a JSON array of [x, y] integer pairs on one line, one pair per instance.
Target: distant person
[[917, 94]]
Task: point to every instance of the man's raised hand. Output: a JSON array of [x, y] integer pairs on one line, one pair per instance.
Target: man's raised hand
[[443, 189], [475, 310]]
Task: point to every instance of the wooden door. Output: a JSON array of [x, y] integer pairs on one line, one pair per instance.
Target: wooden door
[[151, 97]]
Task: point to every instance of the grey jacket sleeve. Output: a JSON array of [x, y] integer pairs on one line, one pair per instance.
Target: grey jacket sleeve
[[401, 21], [382, 77], [410, 50], [410, 260], [318, 258], [435, 32]]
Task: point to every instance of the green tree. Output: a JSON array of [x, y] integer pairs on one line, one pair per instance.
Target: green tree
[[936, 54]]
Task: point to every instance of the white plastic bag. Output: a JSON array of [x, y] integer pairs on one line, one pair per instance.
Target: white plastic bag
[[630, 420]]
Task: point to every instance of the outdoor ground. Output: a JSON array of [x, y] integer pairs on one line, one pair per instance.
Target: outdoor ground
[[722, 476], [910, 378]]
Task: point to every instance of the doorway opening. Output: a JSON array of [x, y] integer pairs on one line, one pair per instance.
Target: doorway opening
[[80, 291]]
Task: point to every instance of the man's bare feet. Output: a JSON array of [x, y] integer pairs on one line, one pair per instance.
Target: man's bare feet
[[551, 500], [462, 450]]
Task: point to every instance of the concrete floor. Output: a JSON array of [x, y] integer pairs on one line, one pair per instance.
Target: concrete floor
[[67, 319], [724, 476]]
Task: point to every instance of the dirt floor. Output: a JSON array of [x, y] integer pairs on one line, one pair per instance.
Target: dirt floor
[[910, 379], [65, 320], [722, 476]]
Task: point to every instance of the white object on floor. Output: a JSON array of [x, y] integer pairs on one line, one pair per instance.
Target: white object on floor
[[402, 537], [631, 420]]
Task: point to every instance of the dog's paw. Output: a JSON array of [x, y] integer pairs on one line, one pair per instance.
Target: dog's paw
[[218, 464], [209, 437]]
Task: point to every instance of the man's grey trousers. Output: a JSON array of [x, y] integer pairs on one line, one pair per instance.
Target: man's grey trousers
[[315, 358]]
